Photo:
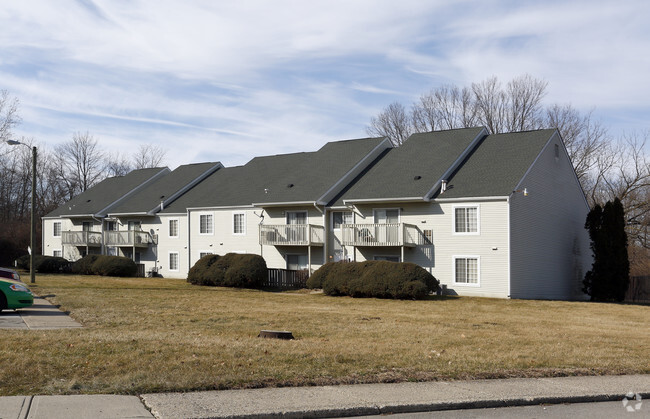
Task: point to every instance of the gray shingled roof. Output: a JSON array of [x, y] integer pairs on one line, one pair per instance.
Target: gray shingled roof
[[411, 170], [267, 179], [497, 165], [163, 188], [105, 193]]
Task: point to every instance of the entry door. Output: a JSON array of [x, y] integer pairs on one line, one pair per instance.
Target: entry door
[[87, 226], [387, 234], [134, 225], [297, 234]]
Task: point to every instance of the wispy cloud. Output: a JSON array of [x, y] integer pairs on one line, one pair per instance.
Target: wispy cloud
[[231, 80]]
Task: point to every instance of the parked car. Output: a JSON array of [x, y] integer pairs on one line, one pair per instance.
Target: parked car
[[9, 273], [14, 294]]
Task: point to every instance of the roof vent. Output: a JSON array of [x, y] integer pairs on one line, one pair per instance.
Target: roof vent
[[290, 185], [418, 177], [162, 196], [88, 200], [443, 186]]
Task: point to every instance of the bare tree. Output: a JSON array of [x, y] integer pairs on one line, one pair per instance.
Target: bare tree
[[393, 122], [586, 140], [80, 163], [118, 164], [8, 115], [446, 107], [148, 156]]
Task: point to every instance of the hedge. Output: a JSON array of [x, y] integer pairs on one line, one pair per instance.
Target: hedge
[[44, 264], [105, 265], [231, 270], [379, 279]]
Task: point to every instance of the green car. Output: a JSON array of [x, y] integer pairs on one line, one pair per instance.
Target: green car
[[14, 294]]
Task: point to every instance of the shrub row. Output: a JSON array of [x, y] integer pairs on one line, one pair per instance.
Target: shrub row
[[105, 265], [44, 264], [231, 270], [379, 279]]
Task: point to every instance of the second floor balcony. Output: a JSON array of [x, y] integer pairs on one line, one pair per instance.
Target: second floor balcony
[[129, 238], [82, 238], [292, 235], [380, 234]]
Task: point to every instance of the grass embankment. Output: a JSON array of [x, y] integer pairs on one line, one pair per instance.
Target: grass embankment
[[149, 335]]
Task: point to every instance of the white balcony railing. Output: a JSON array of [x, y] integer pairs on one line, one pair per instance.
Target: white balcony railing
[[292, 235], [129, 238], [379, 234], [81, 238]]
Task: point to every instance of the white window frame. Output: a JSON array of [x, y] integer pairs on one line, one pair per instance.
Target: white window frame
[[211, 215], [178, 228], [478, 270], [374, 214], [57, 250], [178, 261], [234, 217], [54, 224], [203, 253], [342, 219], [478, 220]]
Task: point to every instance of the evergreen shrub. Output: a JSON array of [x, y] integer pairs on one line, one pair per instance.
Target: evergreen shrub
[[114, 266], [230, 270]]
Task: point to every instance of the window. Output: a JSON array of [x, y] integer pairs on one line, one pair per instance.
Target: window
[[112, 251], [173, 228], [387, 258], [466, 220], [341, 217], [205, 224], [297, 262], [111, 226], [557, 151], [238, 223], [204, 254], [173, 261], [87, 226], [57, 253], [134, 225], [466, 270], [56, 232]]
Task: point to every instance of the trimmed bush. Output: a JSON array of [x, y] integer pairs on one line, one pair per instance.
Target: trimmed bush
[[114, 266], [379, 279], [316, 279], [198, 274], [84, 266], [44, 264], [230, 270], [52, 264], [246, 271]]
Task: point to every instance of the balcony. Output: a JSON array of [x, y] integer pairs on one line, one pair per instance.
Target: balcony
[[292, 235], [82, 238], [129, 238], [385, 235]]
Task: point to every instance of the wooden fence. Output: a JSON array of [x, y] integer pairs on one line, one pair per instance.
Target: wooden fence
[[286, 279], [639, 289]]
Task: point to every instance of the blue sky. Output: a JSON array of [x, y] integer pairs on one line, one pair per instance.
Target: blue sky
[[227, 81]]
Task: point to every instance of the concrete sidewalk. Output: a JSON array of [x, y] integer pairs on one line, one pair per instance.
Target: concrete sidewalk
[[40, 316], [335, 401]]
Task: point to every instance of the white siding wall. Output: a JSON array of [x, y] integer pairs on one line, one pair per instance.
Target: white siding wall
[[223, 240], [167, 244], [438, 258], [275, 256], [550, 247]]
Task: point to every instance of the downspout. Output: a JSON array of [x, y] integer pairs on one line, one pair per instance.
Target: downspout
[[189, 240]]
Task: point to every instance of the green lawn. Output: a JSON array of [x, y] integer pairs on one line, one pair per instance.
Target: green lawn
[[147, 335]]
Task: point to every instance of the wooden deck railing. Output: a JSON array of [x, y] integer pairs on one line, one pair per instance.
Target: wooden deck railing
[[379, 234], [292, 235], [129, 238], [81, 238]]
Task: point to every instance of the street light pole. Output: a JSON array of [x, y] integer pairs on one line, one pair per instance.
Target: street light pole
[[32, 232]]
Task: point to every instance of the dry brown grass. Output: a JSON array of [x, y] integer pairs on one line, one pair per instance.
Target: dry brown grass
[[148, 335]]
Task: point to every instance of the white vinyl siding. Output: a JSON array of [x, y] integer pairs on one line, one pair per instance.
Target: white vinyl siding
[[467, 270], [173, 228], [206, 224], [56, 229], [238, 223], [173, 261], [466, 219]]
